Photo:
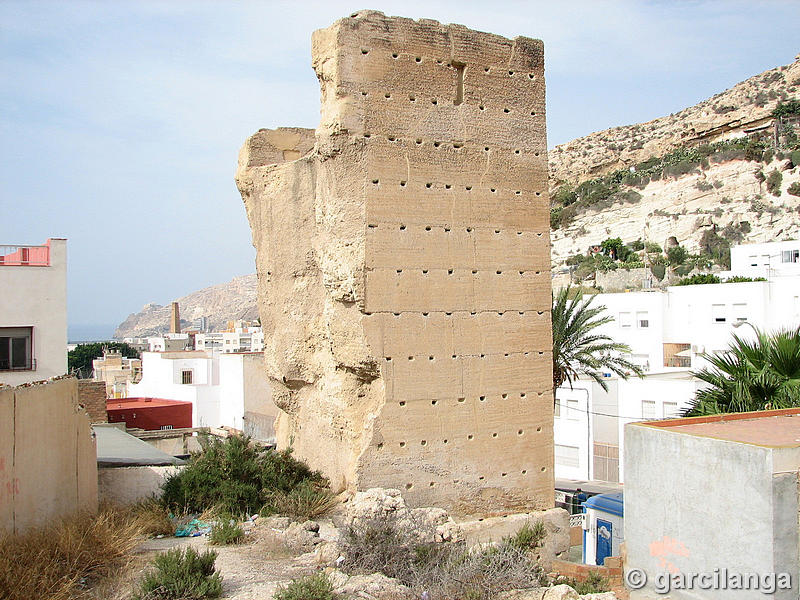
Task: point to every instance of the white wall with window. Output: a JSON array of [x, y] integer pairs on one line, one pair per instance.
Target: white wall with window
[[770, 259], [33, 312], [591, 418]]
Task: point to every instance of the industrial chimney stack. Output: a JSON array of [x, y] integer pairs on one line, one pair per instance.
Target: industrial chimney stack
[[175, 319]]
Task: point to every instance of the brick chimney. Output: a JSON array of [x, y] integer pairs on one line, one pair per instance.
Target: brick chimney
[[175, 319]]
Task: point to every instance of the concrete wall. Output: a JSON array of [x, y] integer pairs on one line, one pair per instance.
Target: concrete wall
[[128, 485], [622, 279], [48, 459], [695, 504], [404, 267], [36, 297], [260, 411]]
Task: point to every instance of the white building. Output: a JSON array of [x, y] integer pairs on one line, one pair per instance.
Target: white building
[[170, 342], [33, 312], [668, 331], [226, 390], [768, 260], [241, 339]]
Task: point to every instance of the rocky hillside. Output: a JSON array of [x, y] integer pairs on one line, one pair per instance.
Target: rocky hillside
[[219, 303], [722, 172], [746, 105]]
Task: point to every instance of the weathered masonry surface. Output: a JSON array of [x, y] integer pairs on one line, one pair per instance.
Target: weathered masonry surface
[[403, 257]]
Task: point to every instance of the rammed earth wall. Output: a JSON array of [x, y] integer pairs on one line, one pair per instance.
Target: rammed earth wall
[[403, 258]]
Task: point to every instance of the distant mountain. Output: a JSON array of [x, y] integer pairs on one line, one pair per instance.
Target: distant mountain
[[219, 303]]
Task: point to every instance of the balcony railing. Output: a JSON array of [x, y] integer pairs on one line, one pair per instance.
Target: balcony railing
[[24, 256]]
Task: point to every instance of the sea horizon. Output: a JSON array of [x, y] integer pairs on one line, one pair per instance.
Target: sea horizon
[[82, 333]]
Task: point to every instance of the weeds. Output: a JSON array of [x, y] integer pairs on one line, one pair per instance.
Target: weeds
[[306, 501], [311, 587], [529, 537], [226, 532], [152, 518], [444, 570], [593, 584], [181, 575], [64, 560]]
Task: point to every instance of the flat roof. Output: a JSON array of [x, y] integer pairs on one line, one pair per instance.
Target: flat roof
[[122, 403], [768, 428], [117, 448]]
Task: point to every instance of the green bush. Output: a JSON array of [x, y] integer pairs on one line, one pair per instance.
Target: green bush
[[792, 107], [658, 270], [529, 536], [794, 189], [717, 247], [652, 248], [700, 279], [636, 245], [235, 477], [774, 181], [593, 584], [677, 255], [742, 279], [226, 532], [181, 575], [310, 587], [794, 157]]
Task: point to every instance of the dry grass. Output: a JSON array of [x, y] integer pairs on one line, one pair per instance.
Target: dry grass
[[62, 561], [306, 501], [152, 518]]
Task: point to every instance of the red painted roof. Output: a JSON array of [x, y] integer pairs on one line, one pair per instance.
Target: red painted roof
[[121, 403], [770, 428]]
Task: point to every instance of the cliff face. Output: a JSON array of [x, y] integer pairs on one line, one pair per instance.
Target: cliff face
[[725, 192], [746, 105], [219, 303], [403, 266]]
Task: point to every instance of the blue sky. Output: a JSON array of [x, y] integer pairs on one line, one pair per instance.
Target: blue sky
[[120, 122]]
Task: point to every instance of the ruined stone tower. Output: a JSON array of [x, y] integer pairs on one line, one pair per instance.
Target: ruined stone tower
[[403, 260]]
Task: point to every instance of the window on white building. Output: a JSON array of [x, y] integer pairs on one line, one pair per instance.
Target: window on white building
[[573, 410], [718, 313], [642, 320], [625, 319], [670, 410], [753, 260], [648, 409], [790, 256], [557, 408], [16, 345], [740, 311], [186, 377], [566, 456]]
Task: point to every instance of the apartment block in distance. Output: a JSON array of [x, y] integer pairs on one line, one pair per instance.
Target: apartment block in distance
[[33, 312]]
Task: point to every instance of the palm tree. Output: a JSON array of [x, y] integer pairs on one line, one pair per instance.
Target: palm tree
[[577, 349], [751, 375]]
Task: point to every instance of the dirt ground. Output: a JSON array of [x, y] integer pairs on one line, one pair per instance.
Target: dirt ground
[[250, 571]]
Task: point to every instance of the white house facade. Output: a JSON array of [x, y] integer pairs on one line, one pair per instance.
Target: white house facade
[[33, 312], [669, 332]]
